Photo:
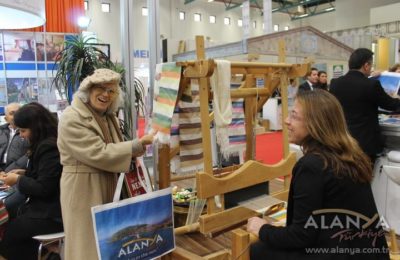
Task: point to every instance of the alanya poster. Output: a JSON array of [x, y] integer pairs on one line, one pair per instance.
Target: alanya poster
[[390, 82], [137, 228]]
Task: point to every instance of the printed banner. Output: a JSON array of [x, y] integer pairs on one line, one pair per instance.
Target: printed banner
[[136, 228]]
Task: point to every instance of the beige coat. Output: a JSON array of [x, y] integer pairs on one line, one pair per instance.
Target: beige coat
[[90, 166]]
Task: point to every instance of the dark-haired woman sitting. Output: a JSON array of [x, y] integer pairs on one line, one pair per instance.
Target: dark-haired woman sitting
[[41, 213]]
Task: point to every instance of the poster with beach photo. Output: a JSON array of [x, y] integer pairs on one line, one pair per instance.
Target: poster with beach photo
[[137, 228]]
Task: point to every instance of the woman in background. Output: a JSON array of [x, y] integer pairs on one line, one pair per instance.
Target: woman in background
[[93, 153], [330, 184], [41, 213]]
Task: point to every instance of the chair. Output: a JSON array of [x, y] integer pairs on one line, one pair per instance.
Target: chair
[[48, 240]]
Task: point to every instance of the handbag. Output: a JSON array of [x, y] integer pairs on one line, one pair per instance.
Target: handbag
[[137, 180], [140, 227]]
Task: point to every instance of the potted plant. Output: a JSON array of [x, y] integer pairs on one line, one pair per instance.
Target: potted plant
[[78, 60]]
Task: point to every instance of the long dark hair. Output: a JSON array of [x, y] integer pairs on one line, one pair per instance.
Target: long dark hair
[[39, 121], [329, 138]]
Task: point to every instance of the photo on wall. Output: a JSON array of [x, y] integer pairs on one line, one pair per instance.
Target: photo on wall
[[22, 90], [40, 49], [3, 92], [54, 43], [19, 47], [47, 94], [1, 48]]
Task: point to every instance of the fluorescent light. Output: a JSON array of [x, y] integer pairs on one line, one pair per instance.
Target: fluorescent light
[[330, 9], [275, 9], [303, 15], [210, 1]]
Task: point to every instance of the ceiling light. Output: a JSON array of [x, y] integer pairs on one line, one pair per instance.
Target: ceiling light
[[210, 1], [330, 9], [15, 16]]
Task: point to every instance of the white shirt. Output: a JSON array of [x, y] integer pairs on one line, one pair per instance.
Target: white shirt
[[12, 133]]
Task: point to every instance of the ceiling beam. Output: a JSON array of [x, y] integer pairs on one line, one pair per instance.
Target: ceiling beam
[[285, 7], [328, 10]]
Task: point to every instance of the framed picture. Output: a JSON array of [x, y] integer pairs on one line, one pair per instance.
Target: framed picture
[[104, 47]]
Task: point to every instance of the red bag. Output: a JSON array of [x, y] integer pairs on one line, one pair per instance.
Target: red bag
[[137, 179]]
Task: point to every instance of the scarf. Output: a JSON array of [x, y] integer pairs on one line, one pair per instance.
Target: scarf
[[106, 122]]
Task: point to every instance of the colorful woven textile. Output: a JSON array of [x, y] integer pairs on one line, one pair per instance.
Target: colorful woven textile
[[237, 130], [186, 131], [166, 87]]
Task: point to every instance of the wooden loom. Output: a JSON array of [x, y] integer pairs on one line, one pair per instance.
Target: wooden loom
[[211, 183]]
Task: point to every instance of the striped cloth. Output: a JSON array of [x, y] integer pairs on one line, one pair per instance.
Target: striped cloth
[[237, 130], [166, 88], [186, 131]]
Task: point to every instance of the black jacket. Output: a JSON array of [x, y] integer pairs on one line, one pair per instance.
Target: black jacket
[[360, 98], [16, 156], [41, 183], [313, 188]]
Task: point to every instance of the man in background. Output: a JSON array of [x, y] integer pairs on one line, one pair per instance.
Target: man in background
[[13, 147], [360, 98], [311, 81]]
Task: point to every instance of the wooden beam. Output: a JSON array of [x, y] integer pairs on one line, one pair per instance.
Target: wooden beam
[[225, 220], [251, 173]]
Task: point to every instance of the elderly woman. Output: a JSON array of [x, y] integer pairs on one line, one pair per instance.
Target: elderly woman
[[92, 153], [329, 191]]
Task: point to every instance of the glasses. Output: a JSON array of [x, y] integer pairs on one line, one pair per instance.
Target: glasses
[[293, 116], [110, 91]]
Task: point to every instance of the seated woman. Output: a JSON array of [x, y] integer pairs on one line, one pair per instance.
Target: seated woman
[[41, 213], [330, 199]]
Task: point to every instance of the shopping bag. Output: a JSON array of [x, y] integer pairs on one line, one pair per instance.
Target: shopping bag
[[135, 228], [137, 179]]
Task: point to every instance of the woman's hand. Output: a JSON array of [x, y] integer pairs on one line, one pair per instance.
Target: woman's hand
[[148, 139], [10, 179], [254, 225]]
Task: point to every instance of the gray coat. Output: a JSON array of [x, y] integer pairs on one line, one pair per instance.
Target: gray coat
[[16, 156]]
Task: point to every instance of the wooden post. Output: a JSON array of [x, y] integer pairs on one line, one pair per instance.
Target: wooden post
[[240, 244], [164, 169], [249, 119], [285, 108], [281, 51]]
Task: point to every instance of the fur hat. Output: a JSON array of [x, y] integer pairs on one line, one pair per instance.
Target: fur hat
[[100, 76]]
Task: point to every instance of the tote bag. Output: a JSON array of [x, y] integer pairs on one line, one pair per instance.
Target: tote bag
[[135, 228]]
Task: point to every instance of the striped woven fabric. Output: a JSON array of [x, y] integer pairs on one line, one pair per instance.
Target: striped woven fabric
[[190, 138], [237, 130], [166, 87]]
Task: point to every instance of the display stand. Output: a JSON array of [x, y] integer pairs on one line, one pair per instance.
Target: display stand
[[216, 182]]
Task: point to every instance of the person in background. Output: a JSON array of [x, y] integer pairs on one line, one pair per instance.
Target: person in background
[[292, 91], [395, 68], [330, 184], [41, 213], [323, 80], [360, 98], [93, 153], [12, 146], [311, 81]]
